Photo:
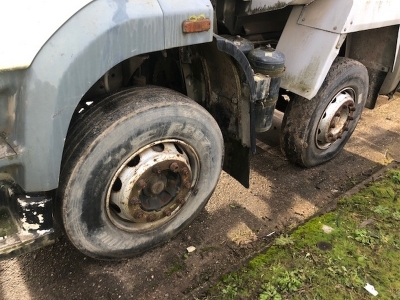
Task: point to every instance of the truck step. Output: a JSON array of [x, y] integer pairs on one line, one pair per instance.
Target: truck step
[[26, 221]]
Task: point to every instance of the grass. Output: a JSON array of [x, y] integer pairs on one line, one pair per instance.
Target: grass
[[363, 246], [176, 267]]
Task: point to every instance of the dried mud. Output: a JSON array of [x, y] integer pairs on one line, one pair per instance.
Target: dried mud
[[236, 224]]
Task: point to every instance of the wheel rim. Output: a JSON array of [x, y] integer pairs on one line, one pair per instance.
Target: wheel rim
[[152, 186], [336, 119]]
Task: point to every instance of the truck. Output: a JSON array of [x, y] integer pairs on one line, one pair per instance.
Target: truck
[[118, 116]]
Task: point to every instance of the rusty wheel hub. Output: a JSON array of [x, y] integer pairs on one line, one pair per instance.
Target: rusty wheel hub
[[336, 119], [152, 185]]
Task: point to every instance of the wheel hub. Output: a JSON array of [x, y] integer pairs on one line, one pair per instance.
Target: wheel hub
[[336, 119], [152, 185]]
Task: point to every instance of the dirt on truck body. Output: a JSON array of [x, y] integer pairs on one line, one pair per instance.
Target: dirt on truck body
[[117, 117]]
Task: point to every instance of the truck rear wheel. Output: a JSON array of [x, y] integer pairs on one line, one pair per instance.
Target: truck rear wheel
[[136, 170], [314, 131]]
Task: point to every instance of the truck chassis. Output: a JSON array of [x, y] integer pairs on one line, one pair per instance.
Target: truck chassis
[[117, 117]]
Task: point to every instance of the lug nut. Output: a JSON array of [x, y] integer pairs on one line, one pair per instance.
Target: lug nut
[[352, 108], [187, 184], [174, 167], [339, 136], [138, 214], [180, 200], [134, 201], [185, 171], [142, 183], [151, 218], [345, 128], [337, 114], [350, 118], [156, 169], [330, 135], [166, 213], [332, 125]]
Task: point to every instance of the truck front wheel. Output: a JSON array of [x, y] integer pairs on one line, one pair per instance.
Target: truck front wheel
[[314, 131], [136, 170]]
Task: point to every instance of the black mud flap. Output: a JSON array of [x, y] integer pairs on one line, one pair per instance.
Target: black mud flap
[[219, 69], [237, 161], [26, 221]]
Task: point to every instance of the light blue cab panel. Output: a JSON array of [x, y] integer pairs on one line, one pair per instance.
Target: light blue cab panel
[[96, 38]]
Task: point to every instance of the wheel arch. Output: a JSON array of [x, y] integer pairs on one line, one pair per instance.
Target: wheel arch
[[319, 24], [65, 69], [380, 58], [98, 37]]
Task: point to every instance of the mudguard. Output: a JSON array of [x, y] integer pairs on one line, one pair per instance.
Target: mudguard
[[96, 38]]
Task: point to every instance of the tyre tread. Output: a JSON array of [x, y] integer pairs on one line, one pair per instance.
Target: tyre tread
[[299, 112]]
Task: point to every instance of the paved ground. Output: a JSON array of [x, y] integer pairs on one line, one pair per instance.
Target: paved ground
[[236, 223]]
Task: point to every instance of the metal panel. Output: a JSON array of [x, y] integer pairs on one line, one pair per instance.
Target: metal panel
[[374, 48], [97, 38], [178, 11], [309, 55], [355, 15], [25, 25], [5, 149], [393, 77], [10, 83], [268, 5]]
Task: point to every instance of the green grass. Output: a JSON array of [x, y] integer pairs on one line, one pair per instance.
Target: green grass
[[364, 247], [176, 267]]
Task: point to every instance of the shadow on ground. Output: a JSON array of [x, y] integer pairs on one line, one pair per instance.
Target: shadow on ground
[[236, 224]]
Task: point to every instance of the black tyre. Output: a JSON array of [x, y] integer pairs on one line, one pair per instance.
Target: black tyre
[[314, 131], [136, 170]]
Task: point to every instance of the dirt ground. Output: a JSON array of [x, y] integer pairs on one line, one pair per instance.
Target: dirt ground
[[236, 224]]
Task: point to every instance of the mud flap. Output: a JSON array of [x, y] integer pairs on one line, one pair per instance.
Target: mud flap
[[237, 161]]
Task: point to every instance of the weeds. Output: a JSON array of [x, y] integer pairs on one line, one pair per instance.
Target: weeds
[[175, 268], [394, 175], [283, 241], [381, 210], [364, 247], [396, 215], [363, 236]]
